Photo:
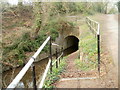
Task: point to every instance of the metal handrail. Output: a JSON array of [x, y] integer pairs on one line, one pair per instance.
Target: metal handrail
[[97, 31], [57, 59], [44, 75], [98, 25], [47, 69], [14, 83]]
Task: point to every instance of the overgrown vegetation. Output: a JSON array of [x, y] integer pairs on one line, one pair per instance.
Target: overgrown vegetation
[[88, 50], [118, 5], [16, 51], [52, 78], [42, 19]]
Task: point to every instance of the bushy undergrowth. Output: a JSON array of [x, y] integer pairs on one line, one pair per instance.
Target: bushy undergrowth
[[52, 78], [17, 51]]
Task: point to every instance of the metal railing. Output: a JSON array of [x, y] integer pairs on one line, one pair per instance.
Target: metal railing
[[20, 75], [57, 62], [29, 64], [44, 75], [95, 28]]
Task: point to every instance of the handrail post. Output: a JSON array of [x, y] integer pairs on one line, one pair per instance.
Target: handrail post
[[90, 24], [34, 77], [97, 27], [59, 61], [62, 52], [56, 58], [98, 47], [50, 55]]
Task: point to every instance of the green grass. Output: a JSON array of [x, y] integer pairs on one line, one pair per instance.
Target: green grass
[[87, 46], [52, 78], [85, 65]]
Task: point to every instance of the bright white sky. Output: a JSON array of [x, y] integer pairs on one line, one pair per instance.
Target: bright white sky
[[16, 1], [13, 2]]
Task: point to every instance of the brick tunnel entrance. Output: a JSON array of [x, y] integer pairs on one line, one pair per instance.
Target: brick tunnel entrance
[[71, 44]]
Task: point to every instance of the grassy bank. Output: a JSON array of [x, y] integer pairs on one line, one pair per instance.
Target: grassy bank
[[88, 50], [52, 78]]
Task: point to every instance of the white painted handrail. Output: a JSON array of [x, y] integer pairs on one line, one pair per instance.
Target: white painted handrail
[[14, 83], [41, 47], [92, 20], [46, 71], [92, 24], [98, 26], [44, 75], [57, 59], [98, 29], [60, 56], [54, 44]]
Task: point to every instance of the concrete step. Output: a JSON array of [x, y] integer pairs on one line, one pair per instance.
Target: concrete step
[[67, 79]]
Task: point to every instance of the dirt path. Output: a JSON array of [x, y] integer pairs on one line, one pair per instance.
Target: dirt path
[[71, 77], [71, 71]]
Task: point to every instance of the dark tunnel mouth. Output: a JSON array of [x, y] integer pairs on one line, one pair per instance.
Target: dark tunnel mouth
[[74, 41]]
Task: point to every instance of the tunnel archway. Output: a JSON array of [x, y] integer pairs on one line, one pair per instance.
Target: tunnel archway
[[71, 44]]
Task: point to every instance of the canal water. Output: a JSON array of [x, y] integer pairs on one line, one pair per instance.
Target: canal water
[[26, 81]]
